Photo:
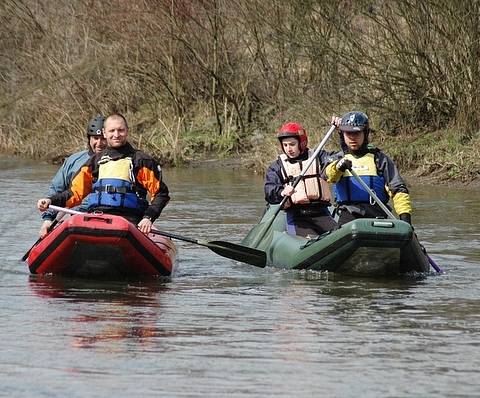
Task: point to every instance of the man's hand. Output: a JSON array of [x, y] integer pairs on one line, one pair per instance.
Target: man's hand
[[336, 121], [344, 164], [44, 228], [145, 225], [43, 204]]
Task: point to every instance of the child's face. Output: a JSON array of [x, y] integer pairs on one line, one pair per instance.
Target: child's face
[[291, 147]]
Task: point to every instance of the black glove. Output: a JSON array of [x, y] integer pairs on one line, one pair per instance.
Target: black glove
[[344, 164], [406, 217]]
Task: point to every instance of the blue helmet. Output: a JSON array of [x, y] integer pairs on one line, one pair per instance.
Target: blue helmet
[[355, 121]]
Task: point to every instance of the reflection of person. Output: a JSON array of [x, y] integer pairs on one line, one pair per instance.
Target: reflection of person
[[307, 208], [117, 180], [120, 320], [375, 168], [61, 181]]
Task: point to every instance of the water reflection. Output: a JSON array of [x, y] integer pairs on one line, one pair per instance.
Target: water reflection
[[104, 312], [85, 290], [225, 329]]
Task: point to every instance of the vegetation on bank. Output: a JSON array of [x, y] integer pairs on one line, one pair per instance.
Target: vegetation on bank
[[204, 77]]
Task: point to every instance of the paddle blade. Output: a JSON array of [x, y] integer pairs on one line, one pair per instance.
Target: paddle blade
[[52, 225], [244, 254], [25, 256]]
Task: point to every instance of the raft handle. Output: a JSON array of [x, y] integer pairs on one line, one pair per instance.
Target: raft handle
[[99, 218], [383, 224]]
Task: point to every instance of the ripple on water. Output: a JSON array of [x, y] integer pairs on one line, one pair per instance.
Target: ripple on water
[[221, 328]]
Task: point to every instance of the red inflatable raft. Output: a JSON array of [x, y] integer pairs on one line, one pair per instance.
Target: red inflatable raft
[[107, 246]]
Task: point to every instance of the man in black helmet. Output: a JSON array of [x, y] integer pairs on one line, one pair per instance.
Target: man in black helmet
[[375, 168], [61, 181]]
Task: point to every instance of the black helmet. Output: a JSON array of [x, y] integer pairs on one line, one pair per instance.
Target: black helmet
[[354, 121], [95, 126]]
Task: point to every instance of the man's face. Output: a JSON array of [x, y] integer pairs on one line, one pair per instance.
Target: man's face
[[354, 139], [115, 132], [291, 147], [97, 143]]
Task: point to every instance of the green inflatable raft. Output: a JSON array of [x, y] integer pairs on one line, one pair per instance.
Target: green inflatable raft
[[363, 247]]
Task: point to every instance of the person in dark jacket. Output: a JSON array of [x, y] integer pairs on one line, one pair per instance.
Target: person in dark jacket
[[307, 211], [61, 181], [117, 180], [373, 166]]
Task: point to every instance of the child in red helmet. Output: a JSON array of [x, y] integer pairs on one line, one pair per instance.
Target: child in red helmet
[[307, 211]]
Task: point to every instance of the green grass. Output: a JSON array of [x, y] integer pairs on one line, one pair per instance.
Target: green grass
[[443, 154]]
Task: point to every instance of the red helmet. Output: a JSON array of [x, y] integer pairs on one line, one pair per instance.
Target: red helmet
[[295, 130]]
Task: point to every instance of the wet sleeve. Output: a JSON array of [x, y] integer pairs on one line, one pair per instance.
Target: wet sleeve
[[273, 184], [80, 187], [149, 176], [402, 203], [396, 187], [57, 185], [332, 174], [326, 158]]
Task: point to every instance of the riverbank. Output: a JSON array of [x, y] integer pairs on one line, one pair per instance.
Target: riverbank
[[244, 162], [415, 176], [430, 157]]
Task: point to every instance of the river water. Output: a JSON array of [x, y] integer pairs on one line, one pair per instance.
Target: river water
[[220, 328]]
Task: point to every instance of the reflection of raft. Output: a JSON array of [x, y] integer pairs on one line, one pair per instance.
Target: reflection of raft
[[378, 247], [106, 246]]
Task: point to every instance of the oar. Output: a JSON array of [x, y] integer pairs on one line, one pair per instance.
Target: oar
[[65, 210], [294, 184], [390, 214], [233, 251], [244, 254], [50, 228]]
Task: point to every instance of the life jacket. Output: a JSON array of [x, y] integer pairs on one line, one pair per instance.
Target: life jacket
[[348, 189], [311, 187], [115, 186]]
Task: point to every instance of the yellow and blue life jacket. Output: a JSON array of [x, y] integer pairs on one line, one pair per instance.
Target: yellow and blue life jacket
[[115, 186], [347, 189]]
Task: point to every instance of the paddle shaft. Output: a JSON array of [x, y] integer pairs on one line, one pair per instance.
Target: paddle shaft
[[298, 179], [173, 236], [226, 249], [372, 194], [64, 209], [244, 254], [389, 213]]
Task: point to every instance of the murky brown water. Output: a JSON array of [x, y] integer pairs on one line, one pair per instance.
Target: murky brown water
[[220, 328]]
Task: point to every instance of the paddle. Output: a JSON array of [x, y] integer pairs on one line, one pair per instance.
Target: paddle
[[50, 228], [389, 214], [233, 251], [320, 146]]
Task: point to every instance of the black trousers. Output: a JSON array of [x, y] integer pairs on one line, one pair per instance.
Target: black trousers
[[309, 223]]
